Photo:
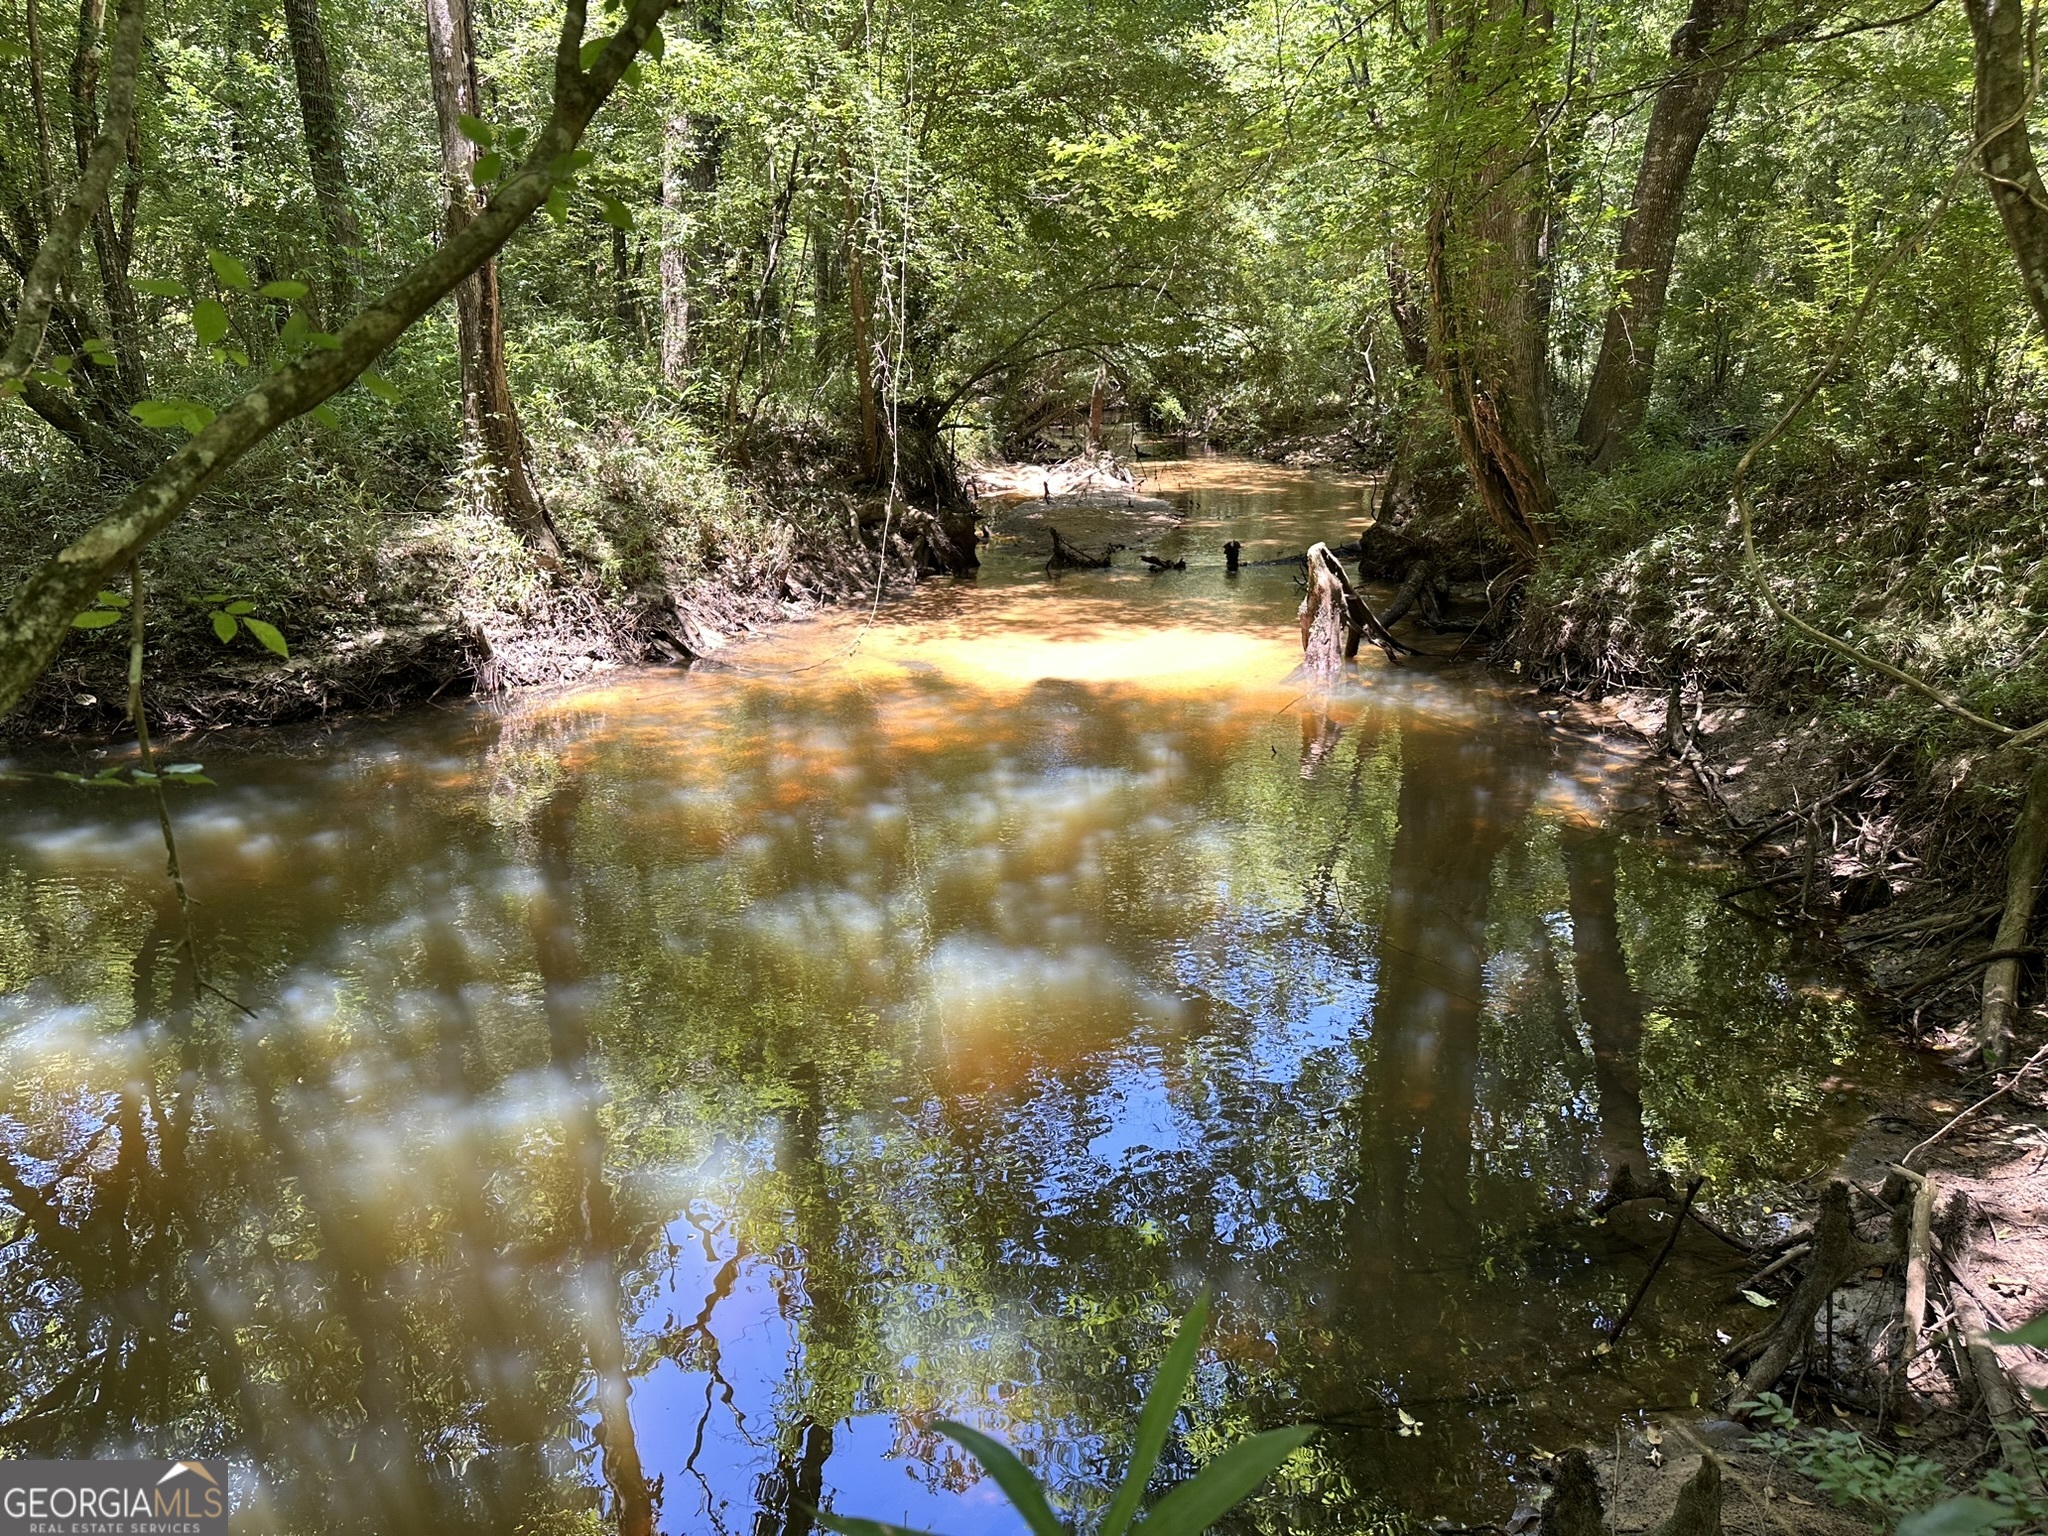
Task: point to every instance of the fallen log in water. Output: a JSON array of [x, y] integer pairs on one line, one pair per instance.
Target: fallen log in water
[[1067, 556]]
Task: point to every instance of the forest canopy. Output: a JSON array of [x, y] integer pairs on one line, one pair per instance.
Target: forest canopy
[[1502, 253]]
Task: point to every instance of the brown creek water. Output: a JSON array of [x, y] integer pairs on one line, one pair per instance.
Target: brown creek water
[[905, 1020]]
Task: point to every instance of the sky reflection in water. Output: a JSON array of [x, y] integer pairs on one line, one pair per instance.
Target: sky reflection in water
[[902, 1022]]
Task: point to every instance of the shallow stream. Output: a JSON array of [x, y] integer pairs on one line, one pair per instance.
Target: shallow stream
[[904, 1020]]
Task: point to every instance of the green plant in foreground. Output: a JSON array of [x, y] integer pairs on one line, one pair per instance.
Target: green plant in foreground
[[1186, 1510]]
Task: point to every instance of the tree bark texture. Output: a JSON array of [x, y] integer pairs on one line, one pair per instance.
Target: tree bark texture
[[1998, 30], [1702, 55], [1487, 325], [489, 413], [326, 143]]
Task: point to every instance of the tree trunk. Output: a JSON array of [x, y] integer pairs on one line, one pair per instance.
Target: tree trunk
[[681, 165], [1096, 394], [1488, 339], [863, 345], [2003, 95], [39, 102], [110, 253], [489, 415], [1702, 54], [320, 115]]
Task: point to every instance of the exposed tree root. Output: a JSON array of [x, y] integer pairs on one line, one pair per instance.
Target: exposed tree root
[[1837, 1255], [2022, 881]]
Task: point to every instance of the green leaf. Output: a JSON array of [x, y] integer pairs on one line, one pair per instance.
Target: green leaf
[[564, 167], [1162, 1405], [323, 341], [50, 379], [284, 288], [112, 599], [558, 206], [210, 320], [2034, 1333], [189, 414], [616, 213], [380, 386], [94, 618], [95, 346], [324, 415], [847, 1525], [591, 50], [1011, 1475], [223, 627], [630, 77], [272, 639], [1956, 1517], [488, 168], [1224, 1483], [11, 51], [60, 365], [292, 334], [232, 273], [173, 777], [102, 359], [476, 130], [240, 607], [656, 46], [159, 287]]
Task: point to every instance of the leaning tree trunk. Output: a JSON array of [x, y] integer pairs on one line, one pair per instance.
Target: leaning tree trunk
[[320, 116], [1702, 55], [488, 412], [1998, 29]]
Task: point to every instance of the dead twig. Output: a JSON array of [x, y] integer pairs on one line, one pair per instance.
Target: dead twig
[[1621, 1323]]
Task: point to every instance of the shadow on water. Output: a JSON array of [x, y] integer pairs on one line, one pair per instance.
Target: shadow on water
[[663, 1102]]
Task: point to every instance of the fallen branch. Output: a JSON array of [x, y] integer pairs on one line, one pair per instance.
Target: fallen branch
[[1919, 1242], [2000, 1091], [1990, 957], [1628, 1313], [1071, 557]]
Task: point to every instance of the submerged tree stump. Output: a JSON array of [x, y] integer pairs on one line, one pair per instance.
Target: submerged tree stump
[[1334, 619]]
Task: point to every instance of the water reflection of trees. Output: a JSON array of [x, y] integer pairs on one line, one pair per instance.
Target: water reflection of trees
[[391, 1241]]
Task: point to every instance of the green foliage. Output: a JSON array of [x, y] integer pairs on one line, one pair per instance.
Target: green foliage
[[1187, 1509]]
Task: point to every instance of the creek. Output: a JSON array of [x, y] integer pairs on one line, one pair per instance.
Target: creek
[[903, 1018]]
